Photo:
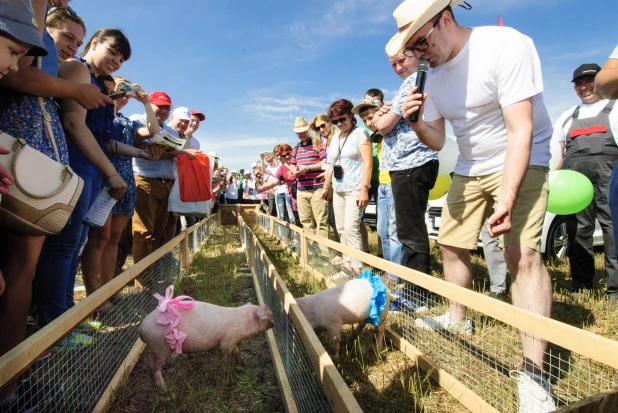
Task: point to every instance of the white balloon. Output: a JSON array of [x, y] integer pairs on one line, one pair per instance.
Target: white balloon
[[556, 154], [448, 156]]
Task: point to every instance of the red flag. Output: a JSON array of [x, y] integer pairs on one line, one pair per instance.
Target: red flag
[[499, 20]]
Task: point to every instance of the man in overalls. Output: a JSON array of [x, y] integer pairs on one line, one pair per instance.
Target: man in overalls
[[588, 133]]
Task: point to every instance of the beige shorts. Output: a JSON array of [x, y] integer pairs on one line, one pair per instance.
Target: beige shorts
[[470, 199]]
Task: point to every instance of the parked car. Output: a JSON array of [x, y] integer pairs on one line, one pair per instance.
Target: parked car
[[554, 240], [371, 214]]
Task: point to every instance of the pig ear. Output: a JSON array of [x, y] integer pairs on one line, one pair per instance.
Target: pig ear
[[260, 313]]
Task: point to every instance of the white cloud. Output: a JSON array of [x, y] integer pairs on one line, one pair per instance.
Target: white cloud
[[304, 40]]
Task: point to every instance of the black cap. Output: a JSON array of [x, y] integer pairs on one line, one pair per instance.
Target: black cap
[[587, 69], [18, 21]]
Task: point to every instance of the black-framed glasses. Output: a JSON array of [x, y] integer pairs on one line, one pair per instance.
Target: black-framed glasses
[[55, 9], [421, 45], [320, 126], [342, 119]]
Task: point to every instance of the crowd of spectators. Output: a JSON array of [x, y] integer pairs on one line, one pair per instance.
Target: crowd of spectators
[[68, 106]]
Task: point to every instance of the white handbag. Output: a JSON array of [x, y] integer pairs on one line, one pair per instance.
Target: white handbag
[[44, 192]]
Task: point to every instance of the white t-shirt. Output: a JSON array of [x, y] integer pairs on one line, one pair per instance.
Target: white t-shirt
[[585, 111], [279, 189], [502, 67], [350, 160], [614, 54], [232, 190]]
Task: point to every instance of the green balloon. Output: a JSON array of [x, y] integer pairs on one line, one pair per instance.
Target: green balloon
[[569, 192]]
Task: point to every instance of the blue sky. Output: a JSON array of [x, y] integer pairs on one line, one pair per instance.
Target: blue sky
[[253, 66]]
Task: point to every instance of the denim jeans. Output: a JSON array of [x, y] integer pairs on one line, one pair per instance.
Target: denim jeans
[[284, 208], [272, 205], [54, 281], [387, 225]]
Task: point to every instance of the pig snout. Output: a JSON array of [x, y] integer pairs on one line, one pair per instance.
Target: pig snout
[[265, 317]]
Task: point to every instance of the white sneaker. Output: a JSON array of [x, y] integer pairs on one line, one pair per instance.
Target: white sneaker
[[445, 322], [532, 397]]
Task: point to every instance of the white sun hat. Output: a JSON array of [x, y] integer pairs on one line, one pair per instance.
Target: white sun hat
[[410, 16]]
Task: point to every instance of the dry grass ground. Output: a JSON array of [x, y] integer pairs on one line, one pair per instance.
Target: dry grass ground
[[388, 382], [195, 382]]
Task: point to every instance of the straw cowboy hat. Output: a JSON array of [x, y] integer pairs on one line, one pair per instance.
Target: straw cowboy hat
[[367, 103], [300, 125], [410, 16]]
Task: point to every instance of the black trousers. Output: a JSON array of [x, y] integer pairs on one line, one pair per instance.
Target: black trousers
[[411, 192], [580, 226]]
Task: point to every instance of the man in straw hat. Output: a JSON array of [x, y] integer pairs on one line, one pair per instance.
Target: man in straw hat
[[487, 82], [308, 156]]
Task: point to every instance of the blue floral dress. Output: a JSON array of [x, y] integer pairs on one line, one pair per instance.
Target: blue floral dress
[[21, 115], [125, 131]]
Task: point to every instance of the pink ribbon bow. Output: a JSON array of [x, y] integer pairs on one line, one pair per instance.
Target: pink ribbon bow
[[168, 315]]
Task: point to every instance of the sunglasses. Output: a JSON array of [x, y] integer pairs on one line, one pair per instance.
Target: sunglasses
[[55, 9], [320, 126], [285, 155], [342, 119]]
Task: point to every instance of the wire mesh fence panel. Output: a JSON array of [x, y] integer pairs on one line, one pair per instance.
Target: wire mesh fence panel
[[72, 375], [483, 353], [264, 222], [306, 388], [288, 237]]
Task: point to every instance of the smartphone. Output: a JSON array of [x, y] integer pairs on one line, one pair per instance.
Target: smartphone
[[118, 95]]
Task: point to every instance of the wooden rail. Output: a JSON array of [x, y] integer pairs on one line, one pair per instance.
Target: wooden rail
[[18, 359], [337, 392], [590, 345], [587, 344]]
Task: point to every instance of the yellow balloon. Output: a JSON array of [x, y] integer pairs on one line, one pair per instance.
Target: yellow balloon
[[443, 183]]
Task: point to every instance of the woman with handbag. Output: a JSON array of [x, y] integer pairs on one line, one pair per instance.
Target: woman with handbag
[[19, 252], [349, 174], [323, 128], [101, 250], [89, 131]]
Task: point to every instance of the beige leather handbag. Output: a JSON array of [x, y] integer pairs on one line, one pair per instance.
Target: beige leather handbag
[[44, 192]]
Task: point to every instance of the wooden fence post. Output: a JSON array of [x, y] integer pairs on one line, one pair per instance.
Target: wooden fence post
[[184, 248], [251, 248], [303, 249]]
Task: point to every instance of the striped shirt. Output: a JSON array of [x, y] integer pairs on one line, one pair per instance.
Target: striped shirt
[[307, 155]]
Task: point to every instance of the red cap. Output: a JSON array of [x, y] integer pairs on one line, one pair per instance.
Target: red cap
[[198, 114], [160, 98]]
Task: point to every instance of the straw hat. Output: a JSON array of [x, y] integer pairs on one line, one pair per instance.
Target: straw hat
[[415, 13], [367, 103], [300, 125]]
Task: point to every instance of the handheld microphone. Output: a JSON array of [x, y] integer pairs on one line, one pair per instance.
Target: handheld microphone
[[421, 76]]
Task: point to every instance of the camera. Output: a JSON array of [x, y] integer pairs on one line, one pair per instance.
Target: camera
[[127, 88], [338, 171], [376, 137]]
